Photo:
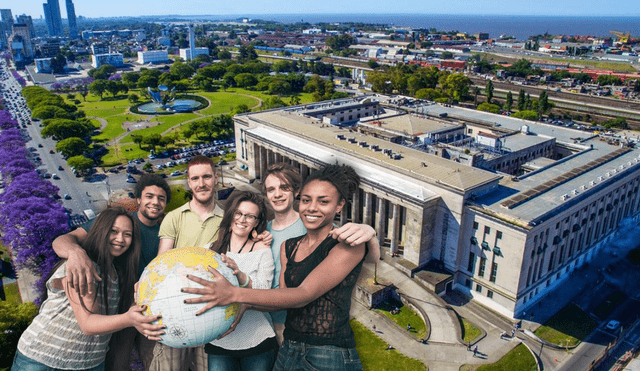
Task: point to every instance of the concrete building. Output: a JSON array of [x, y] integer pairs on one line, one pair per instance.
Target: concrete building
[[71, 17], [43, 65], [20, 44], [502, 240], [153, 56], [6, 23], [99, 48], [114, 59], [187, 56], [53, 18], [27, 20], [164, 41]]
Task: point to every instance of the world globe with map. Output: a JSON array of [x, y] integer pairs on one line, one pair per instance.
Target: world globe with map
[[159, 290]]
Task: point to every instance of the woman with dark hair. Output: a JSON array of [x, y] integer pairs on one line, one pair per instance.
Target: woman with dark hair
[[71, 331], [252, 346], [317, 279]]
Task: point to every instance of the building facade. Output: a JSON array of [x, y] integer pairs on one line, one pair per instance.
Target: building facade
[[187, 56], [114, 59], [505, 240], [71, 17], [153, 56], [53, 18]]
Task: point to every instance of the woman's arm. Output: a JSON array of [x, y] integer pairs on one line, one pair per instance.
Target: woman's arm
[[328, 274], [93, 323], [354, 234]]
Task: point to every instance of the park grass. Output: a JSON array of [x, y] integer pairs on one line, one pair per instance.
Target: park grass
[[608, 305], [375, 356], [518, 358], [568, 327], [304, 97], [577, 63], [470, 331], [178, 198], [225, 102], [161, 124], [406, 316]]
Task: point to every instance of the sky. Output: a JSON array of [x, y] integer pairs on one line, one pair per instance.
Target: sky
[[111, 8]]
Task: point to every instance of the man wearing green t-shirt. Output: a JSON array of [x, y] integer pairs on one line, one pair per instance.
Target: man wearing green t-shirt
[[152, 195]]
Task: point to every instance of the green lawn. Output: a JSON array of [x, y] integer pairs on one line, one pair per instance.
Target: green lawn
[[160, 124], [568, 327], [406, 316], [225, 102], [304, 97], [178, 198], [518, 358], [375, 356], [470, 331]]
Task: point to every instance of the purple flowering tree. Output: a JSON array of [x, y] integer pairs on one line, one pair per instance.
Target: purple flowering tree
[[30, 218]]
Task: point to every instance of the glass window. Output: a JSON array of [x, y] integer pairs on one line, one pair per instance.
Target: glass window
[[490, 294], [494, 272], [483, 263], [478, 288], [472, 262]]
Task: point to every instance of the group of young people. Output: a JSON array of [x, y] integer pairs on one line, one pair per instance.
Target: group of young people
[[295, 281]]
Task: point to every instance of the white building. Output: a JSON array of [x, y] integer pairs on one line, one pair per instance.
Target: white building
[[153, 56], [43, 65], [114, 59], [186, 53]]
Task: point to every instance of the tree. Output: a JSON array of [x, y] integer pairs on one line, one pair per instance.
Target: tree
[[43, 112], [489, 91], [71, 147], [147, 81], [608, 80], [224, 55], [133, 98], [456, 86], [137, 139], [98, 87], [488, 107], [521, 100], [274, 102], [526, 115], [428, 94], [80, 163], [62, 128], [113, 87], [508, 104], [181, 70], [152, 140], [527, 102], [247, 53], [295, 100], [543, 103], [245, 80], [340, 42]]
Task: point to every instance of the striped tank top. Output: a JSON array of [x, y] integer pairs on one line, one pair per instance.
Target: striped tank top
[[55, 339]]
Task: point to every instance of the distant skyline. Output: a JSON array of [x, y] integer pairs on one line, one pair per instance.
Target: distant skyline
[[124, 8]]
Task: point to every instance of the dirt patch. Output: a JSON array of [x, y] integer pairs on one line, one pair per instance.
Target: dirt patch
[[137, 125]]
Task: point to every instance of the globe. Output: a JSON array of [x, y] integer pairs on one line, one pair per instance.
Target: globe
[[159, 289]]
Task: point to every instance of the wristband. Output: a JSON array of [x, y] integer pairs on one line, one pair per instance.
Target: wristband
[[246, 283]]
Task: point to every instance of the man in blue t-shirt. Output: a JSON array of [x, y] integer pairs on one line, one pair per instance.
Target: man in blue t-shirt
[[152, 195], [281, 186]]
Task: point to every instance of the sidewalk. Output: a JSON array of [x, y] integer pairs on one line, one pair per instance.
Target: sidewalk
[[444, 350]]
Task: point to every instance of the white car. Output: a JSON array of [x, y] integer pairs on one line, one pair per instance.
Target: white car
[[613, 325]]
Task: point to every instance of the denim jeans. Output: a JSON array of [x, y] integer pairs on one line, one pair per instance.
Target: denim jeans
[[259, 362], [24, 363], [300, 356]]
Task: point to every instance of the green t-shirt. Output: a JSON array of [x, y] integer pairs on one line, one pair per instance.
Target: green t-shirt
[[149, 241]]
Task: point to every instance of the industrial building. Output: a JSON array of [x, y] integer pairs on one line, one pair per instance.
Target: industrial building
[[502, 209]]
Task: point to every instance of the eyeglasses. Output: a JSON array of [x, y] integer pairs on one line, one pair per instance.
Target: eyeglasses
[[237, 215]]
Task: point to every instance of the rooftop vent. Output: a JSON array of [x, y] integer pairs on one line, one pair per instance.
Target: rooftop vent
[[583, 187], [565, 197], [340, 137], [575, 192], [592, 183]]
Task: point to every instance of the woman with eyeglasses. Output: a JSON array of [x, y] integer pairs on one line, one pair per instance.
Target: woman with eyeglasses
[[252, 345]]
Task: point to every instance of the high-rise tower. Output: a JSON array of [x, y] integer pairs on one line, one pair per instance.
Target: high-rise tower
[[71, 16], [53, 17], [6, 21], [192, 43]]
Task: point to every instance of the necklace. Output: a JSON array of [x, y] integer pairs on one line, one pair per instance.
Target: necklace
[[242, 247]]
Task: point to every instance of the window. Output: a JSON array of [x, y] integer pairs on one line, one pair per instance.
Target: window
[[478, 288], [490, 294], [483, 262], [494, 272], [487, 230], [472, 262], [475, 225], [467, 283]]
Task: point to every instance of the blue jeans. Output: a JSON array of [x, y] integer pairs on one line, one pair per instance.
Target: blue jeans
[[24, 363], [259, 362], [300, 356]]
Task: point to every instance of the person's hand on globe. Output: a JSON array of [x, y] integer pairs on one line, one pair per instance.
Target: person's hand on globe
[[142, 323], [241, 276], [243, 308], [215, 293]]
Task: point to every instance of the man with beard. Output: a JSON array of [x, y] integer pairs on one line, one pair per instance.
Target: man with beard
[[152, 195], [195, 223]]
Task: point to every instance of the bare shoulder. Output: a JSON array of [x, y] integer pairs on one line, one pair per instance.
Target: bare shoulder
[[260, 245]]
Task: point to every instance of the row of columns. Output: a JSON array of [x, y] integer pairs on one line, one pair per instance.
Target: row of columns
[[370, 212]]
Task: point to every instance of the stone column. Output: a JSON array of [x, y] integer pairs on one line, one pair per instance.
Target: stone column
[[380, 219], [263, 162], [368, 208], [394, 226], [355, 207]]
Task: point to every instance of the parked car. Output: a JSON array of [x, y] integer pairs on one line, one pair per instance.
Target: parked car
[[131, 180], [60, 168], [176, 173], [613, 325], [67, 197], [55, 176], [52, 151]]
